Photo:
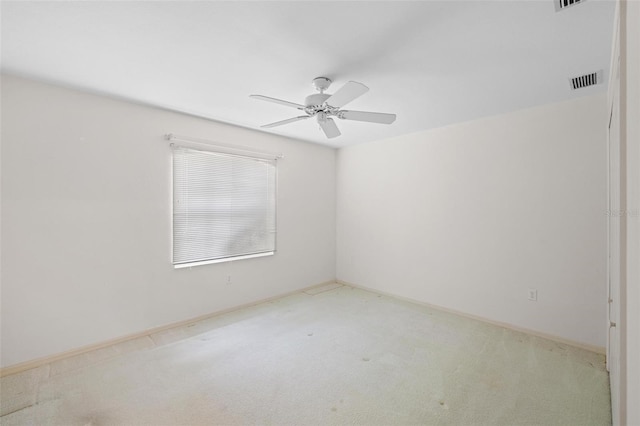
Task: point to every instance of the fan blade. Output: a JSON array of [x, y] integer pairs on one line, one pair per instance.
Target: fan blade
[[290, 120], [346, 94], [371, 117], [277, 101], [329, 128]]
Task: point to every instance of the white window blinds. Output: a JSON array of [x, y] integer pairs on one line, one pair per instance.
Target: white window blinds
[[224, 206]]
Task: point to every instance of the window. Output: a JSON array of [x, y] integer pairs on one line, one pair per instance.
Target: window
[[224, 206]]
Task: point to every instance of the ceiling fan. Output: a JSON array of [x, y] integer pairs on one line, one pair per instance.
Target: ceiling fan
[[324, 106]]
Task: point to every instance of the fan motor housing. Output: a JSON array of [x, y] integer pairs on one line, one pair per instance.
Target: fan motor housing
[[316, 99]]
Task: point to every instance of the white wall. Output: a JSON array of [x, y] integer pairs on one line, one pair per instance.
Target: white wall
[[86, 221], [468, 217]]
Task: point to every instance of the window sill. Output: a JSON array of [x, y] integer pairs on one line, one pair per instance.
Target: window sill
[[226, 259]]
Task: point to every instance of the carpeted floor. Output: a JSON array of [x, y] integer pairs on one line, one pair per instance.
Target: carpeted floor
[[336, 357]]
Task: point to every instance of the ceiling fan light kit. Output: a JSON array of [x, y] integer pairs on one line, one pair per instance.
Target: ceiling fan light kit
[[324, 106]]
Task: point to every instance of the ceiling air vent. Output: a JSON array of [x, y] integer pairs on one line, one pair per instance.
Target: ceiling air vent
[[563, 4], [586, 80]]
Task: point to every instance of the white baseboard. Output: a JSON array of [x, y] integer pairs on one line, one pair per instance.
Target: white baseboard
[[18, 368], [588, 347], [27, 365]]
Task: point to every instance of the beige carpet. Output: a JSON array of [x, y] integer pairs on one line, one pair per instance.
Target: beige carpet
[[342, 356]]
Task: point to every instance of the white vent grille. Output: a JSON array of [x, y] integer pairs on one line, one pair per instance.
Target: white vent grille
[[563, 4], [586, 80]]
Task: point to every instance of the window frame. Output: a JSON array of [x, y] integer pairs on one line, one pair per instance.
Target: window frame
[[224, 151]]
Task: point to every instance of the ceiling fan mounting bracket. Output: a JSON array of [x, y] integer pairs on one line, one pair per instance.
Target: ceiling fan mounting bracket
[[321, 83], [321, 108]]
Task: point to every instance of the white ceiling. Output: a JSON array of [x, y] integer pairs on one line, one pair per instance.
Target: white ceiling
[[433, 63]]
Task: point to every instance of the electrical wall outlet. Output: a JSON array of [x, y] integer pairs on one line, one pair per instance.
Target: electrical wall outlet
[[532, 294]]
